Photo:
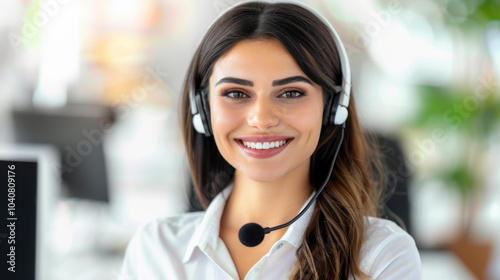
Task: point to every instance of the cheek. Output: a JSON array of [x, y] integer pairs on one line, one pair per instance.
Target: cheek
[[307, 119], [223, 122], [222, 119]]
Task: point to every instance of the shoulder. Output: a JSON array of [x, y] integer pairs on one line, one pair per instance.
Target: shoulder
[[389, 252], [159, 243], [177, 225], [172, 232], [377, 230]]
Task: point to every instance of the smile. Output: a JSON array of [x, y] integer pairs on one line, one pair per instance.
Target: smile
[[266, 147]]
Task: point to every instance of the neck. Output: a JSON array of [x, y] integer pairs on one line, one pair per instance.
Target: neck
[[266, 203]]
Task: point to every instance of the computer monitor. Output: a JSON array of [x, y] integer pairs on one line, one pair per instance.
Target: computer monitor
[[30, 189], [77, 131]]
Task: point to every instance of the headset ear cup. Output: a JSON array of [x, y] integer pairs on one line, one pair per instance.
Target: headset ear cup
[[339, 111], [206, 111], [201, 111], [327, 112]]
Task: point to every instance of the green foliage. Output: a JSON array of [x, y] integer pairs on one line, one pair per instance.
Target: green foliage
[[474, 117], [458, 109], [435, 101], [462, 178], [488, 11]]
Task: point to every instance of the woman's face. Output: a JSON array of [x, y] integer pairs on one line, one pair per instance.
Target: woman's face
[[259, 97]]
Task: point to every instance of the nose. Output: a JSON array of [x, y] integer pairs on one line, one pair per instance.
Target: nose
[[263, 114]]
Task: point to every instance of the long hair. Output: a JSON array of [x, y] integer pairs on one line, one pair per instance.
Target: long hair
[[334, 236]]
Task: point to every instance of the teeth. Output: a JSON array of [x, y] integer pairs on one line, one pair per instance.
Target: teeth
[[264, 145]]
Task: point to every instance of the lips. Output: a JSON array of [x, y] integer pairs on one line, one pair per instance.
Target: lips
[[261, 139], [263, 146]]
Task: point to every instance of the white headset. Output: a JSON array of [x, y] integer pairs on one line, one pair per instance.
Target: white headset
[[336, 108]]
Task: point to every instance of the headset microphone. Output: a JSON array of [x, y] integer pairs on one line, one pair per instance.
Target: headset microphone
[[252, 234]]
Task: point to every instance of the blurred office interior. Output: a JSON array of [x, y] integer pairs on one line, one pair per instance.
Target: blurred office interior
[[94, 87]]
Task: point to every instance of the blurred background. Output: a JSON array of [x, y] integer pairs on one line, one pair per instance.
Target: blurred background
[[91, 89]]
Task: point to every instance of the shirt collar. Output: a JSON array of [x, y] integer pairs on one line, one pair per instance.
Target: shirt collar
[[207, 233]]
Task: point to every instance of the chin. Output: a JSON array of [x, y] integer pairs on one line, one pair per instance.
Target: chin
[[263, 175]]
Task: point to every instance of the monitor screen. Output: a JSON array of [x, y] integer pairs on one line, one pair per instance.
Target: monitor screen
[[77, 132], [29, 193]]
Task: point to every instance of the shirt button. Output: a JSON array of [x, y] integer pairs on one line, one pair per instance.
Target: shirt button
[[279, 246]]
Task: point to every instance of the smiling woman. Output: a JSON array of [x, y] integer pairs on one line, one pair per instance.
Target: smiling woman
[[264, 114], [259, 95]]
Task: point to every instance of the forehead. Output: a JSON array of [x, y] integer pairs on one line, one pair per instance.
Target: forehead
[[256, 59]]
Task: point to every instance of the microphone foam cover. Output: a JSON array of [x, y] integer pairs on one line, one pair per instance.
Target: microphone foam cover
[[251, 234]]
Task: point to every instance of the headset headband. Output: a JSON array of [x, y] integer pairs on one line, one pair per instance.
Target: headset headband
[[341, 112]]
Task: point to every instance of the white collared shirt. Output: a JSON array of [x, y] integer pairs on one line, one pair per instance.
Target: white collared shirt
[[188, 247]]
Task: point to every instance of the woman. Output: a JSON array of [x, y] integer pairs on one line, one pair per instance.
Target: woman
[[264, 77]]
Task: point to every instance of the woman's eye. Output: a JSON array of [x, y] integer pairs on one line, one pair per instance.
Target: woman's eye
[[234, 94], [292, 94]]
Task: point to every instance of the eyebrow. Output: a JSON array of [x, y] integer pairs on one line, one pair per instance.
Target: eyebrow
[[275, 82], [291, 80], [235, 81]]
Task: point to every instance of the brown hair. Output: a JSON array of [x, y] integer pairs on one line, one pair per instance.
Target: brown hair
[[334, 236]]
